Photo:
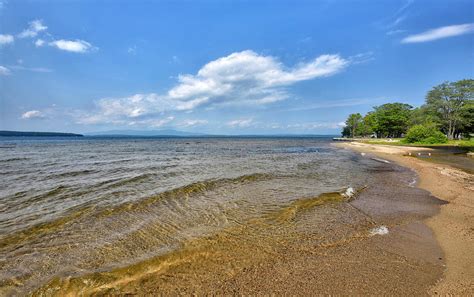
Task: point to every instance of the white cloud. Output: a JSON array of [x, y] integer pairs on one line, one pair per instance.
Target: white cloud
[[249, 77], [193, 123], [152, 123], [39, 42], [241, 123], [75, 46], [4, 70], [34, 28], [32, 114], [6, 39], [132, 50], [242, 78], [394, 32], [32, 69], [439, 33], [315, 125]]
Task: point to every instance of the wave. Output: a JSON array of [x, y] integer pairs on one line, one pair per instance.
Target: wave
[[45, 228]]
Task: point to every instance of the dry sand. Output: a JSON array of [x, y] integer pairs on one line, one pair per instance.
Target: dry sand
[[454, 225]]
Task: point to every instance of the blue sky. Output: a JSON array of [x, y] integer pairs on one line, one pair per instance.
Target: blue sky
[[226, 67]]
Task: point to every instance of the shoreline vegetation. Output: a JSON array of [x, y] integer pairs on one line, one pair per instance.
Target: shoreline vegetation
[[452, 226], [447, 115]]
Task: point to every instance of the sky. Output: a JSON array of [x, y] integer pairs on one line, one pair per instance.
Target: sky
[[223, 67]]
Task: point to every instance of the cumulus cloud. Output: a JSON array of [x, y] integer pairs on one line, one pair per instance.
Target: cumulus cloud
[[242, 78], [32, 114], [6, 39], [75, 46], [439, 33], [247, 76], [4, 70], [33, 29]]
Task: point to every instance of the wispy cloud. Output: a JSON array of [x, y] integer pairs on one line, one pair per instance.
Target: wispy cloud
[[40, 42], [6, 39], [394, 32], [152, 123], [440, 33], [338, 103], [33, 29], [192, 123], [315, 125], [32, 114], [75, 46], [396, 18], [4, 70], [240, 123], [132, 50], [242, 78], [37, 26], [32, 69]]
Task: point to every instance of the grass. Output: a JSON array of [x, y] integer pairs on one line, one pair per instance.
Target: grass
[[469, 144]]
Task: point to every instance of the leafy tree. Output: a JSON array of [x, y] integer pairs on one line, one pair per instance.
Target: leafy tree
[[448, 100], [424, 115], [467, 119], [428, 134], [366, 125], [392, 119], [346, 132], [353, 122]]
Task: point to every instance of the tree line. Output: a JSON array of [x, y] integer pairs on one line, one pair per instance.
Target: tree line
[[448, 110]]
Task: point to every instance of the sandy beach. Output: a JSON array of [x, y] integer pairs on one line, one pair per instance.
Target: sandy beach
[[453, 226]]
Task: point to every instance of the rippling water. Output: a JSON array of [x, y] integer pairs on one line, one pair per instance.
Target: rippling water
[[75, 206]]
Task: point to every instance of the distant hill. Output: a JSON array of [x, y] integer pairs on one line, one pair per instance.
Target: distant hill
[[38, 134], [168, 132]]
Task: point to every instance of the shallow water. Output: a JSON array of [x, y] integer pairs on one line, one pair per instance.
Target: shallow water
[[72, 207]]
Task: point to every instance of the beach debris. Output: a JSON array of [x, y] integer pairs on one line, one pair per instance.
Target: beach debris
[[363, 154], [380, 230], [381, 160], [349, 193]]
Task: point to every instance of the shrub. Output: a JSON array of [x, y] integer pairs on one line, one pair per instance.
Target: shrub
[[428, 134]]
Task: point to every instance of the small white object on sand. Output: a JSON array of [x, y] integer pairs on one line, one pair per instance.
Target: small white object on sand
[[380, 230], [349, 192]]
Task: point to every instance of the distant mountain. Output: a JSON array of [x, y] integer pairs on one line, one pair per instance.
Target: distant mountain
[[38, 134], [149, 133]]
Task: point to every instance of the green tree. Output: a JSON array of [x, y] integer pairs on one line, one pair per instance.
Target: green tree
[[392, 119], [424, 115], [428, 134], [467, 119], [353, 122], [448, 100]]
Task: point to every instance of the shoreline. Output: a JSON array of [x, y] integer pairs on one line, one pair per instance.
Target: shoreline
[[453, 225]]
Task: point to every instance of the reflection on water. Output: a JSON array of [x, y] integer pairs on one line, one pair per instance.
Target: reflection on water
[[74, 207], [456, 158]]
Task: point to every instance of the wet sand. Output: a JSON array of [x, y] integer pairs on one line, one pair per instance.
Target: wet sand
[[454, 225], [312, 247]]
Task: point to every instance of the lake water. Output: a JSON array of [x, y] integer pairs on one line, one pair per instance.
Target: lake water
[[74, 206]]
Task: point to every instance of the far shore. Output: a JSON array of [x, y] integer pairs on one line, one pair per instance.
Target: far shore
[[453, 226]]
